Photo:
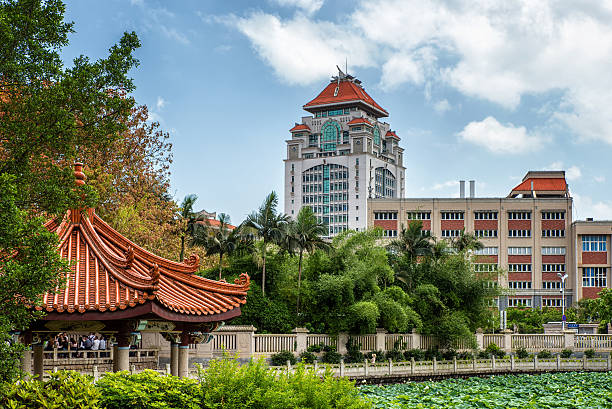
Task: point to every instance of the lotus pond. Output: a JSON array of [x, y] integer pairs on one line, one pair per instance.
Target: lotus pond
[[556, 390]]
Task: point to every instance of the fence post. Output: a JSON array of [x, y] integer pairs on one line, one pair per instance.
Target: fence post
[[342, 340], [512, 363], [316, 366], [609, 363], [435, 365], [381, 335], [416, 340], [54, 354], [507, 340], [584, 362], [301, 335], [454, 364], [474, 362], [245, 341], [342, 367], [493, 362], [390, 366], [569, 339], [168, 370], [366, 368], [535, 361], [95, 373], [411, 365], [288, 366], [558, 362], [480, 339]]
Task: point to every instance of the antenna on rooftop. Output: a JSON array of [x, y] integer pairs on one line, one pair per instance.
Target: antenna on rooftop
[[346, 65]]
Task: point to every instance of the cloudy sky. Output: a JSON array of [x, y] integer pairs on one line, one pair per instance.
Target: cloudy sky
[[483, 90]]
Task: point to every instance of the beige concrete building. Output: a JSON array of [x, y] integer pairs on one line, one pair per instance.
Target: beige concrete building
[[528, 236]]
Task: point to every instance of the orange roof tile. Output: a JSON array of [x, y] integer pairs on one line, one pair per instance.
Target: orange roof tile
[[111, 273], [393, 134], [543, 184], [348, 91], [214, 223], [300, 127], [356, 121]]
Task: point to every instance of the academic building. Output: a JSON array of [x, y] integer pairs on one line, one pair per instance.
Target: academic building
[[341, 155], [528, 235]]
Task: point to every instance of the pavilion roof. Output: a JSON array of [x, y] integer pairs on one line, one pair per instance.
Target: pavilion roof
[[110, 273]]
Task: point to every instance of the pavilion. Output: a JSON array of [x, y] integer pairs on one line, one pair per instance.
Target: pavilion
[[123, 289]]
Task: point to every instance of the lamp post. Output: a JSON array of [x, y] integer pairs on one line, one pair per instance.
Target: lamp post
[[562, 277]]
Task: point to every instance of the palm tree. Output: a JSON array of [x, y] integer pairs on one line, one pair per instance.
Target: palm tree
[[304, 235], [267, 224], [412, 242], [466, 241], [221, 239], [187, 215]]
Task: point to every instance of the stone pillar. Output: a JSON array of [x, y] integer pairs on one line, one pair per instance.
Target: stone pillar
[[480, 339], [511, 362], [183, 355], [342, 340], [301, 340], [121, 357], [174, 358], [245, 341], [26, 360], [38, 360], [507, 340], [381, 335], [416, 340], [569, 339]]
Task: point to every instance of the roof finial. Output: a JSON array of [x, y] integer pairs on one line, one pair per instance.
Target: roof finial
[[79, 176]]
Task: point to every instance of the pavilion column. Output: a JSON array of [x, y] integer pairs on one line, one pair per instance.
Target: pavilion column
[[121, 354], [38, 360], [174, 358], [183, 355], [26, 358]]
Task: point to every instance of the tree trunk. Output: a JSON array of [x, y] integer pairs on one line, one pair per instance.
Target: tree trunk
[[182, 247], [297, 310], [263, 272], [220, 264]]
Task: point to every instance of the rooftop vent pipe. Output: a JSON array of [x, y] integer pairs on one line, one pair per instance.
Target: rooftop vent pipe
[[462, 189], [472, 189]]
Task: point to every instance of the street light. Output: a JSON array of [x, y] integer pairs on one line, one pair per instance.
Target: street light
[[562, 277]]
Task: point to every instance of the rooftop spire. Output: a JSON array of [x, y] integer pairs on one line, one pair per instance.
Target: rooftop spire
[[79, 176]]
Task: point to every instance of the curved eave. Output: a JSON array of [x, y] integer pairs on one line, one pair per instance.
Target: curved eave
[[381, 112]]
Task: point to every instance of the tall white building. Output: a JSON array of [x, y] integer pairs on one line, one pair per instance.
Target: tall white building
[[341, 156]]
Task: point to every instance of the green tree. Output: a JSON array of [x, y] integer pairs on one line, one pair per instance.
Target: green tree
[[187, 218], [267, 225], [304, 235], [466, 241], [219, 239], [48, 113]]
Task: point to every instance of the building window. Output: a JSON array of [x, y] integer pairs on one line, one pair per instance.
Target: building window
[[553, 215], [519, 268], [553, 251], [519, 233], [376, 136], [451, 233], [485, 215], [384, 183], [313, 140], [519, 215], [389, 233], [519, 285], [485, 268], [551, 285], [553, 268], [385, 215], [415, 215], [552, 302], [593, 243], [487, 251], [553, 233], [594, 277], [519, 251], [485, 233], [519, 302], [330, 134], [445, 215]]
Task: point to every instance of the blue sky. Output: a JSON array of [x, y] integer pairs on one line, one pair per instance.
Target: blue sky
[[476, 89]]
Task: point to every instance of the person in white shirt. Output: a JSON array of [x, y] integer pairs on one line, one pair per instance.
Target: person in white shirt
[[95, 345]]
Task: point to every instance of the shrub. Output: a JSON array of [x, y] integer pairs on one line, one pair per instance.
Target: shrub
[[417, 354], [147, 389], [380, 355], [493, 349], [282, 357], [308, 357], [465, 355], [522, 353], [566, 353], [331, 357], [395, 355], [589, 353], [65, 389], [315, 348], [362, 317], [353, 352], [327, 348], [483, 355], [431, 353], [449, 354], [544, 354]]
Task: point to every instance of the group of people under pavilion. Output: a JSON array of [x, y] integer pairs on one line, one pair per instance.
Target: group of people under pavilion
[[122, 289]]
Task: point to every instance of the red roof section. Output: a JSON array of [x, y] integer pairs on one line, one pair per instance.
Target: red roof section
[[543, 184], [393, 134], [111, 273], [215, 223], [357, 121], [348, 91], [301, 127]]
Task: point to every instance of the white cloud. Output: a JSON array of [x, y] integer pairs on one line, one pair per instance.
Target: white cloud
[[572, 173], [599, 179], [499, 138], [445, 185], [442, 106], [499, 51], [584, 207], [308, 6], [174, 34], [161, 102]]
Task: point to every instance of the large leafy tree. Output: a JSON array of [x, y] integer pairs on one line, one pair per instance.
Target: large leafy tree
[[49, 114], [305, 235], [267, 224]]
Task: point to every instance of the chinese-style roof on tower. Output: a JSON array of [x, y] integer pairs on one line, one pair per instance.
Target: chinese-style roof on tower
[[345, 89], [110, 273], [357, 121], [542, 184], [299, 127], [392, 134]]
